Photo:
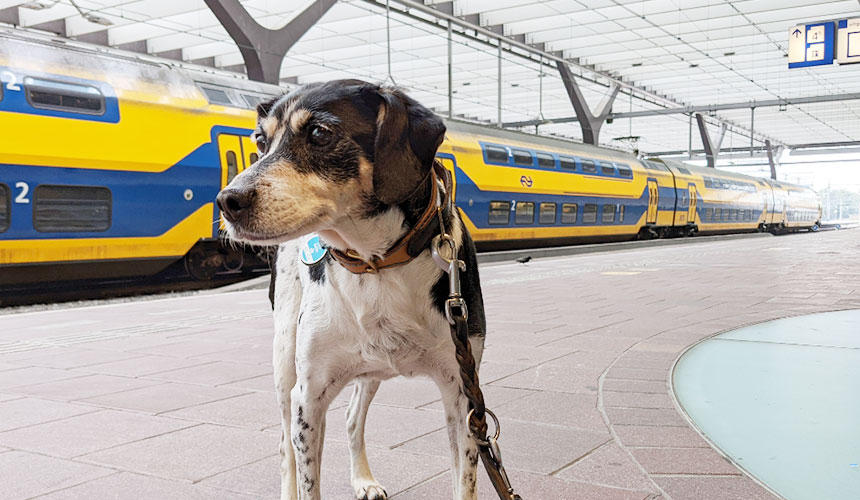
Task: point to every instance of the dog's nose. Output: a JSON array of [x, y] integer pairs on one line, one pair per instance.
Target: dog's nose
[[234, 203]]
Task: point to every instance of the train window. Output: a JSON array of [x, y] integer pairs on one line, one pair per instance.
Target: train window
[[735, 214], [717, 214], [709, 214], [523, 158], [567, 163], [588, 166], [251, 100], [500, 212], [252, 158], [568, 213], [620, 213], [217, 96], [589, 213], [684, 170], [496, 154], [653, 165], [607, 168], [69, 209], [5, 207], [525, 213], [232, 165], [547, 213], [63, 96], [545, 160], [608, 214], [624, 171]]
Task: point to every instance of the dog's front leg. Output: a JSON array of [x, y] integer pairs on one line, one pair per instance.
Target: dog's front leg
[[464, 450], [363, 483], [311, 397]]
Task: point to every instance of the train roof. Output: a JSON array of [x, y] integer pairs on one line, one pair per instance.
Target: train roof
[[126, 70]]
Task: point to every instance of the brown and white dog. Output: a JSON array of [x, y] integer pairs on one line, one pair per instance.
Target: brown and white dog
[[351, 162]]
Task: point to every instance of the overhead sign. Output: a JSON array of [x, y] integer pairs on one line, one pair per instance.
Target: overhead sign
[[848, 43], [811, 44]]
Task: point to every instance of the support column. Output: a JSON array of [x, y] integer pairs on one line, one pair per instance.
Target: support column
[[499, 90], [589, 123], [263, 49], [770, 157], [711, 149], [690, 137], [450, 74], [752, 128]]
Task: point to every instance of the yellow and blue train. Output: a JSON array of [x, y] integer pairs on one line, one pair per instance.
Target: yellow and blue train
[[110, 163]]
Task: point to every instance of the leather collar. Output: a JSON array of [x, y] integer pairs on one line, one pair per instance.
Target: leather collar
[[415, 241]]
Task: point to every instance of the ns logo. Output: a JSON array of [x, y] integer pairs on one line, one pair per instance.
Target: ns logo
[[526, 181]]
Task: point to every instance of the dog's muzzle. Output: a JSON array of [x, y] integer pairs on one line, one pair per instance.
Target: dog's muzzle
[[235, 204]]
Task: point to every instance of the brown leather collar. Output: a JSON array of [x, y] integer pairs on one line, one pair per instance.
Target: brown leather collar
[[405, 249]]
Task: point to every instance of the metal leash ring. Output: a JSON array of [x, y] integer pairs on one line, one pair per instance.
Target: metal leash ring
[[436, 250], [480, 441]]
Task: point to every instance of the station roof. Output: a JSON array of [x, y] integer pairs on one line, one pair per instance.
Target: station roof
[[667, 53]]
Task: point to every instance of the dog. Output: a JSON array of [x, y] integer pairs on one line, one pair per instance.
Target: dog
[[343, 185]]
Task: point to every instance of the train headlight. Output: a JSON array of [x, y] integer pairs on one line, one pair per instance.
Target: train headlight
[[188, 194]]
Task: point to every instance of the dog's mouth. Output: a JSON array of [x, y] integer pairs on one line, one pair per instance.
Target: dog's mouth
[[245, 235]]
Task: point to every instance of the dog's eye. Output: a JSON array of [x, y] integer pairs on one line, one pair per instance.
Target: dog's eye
[[262, 144], [320, 136]]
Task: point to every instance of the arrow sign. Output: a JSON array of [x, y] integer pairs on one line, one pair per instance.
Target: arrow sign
[[796, 33]]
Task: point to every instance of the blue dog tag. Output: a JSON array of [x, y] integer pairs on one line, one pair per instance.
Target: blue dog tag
[[313, 250]]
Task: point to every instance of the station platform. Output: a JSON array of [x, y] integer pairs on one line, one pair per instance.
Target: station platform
[[173, 398]]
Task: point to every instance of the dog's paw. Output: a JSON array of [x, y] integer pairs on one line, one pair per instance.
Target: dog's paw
[[370, 491]]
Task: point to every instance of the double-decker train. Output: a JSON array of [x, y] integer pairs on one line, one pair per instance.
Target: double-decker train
[[110, 163]]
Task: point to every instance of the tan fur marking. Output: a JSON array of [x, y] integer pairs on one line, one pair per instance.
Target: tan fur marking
[[298, 119], [269, 126]]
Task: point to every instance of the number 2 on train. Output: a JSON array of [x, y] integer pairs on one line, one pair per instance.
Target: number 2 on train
[[22, 196]]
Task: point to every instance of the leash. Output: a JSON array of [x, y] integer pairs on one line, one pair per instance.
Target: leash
[[457, 314]]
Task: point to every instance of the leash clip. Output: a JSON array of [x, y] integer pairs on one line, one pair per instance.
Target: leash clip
[[455, 306]]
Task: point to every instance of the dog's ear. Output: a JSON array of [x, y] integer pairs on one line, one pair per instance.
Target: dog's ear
[[265, 107], [407, 137]]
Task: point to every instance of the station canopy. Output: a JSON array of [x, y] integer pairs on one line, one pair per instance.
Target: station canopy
[[664, 53]]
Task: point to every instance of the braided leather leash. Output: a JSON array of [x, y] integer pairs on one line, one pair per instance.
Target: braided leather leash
[[457, 315]]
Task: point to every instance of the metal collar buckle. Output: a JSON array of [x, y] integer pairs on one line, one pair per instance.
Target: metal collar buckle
[[455, 306]]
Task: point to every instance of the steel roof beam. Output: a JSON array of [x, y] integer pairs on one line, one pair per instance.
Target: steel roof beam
[[263, 49], [712, 149], [589, 123], [795, 148], [699, 109]]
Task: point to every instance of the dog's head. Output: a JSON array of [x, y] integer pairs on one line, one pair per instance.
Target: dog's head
[[327, 151]]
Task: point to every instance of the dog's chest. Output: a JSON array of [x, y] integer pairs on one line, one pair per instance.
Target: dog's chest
[[388, 320]]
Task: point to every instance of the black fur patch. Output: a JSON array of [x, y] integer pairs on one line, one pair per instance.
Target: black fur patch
[[317, 271], [273, 265]]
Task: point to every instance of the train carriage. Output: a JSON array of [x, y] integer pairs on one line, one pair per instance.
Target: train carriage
[[109, 166], [110, 163]]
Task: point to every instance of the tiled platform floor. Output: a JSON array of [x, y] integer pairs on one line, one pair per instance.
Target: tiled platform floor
[[173, 398]]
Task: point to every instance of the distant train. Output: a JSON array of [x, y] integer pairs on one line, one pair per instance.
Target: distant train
[[518, 190], [110, 163]]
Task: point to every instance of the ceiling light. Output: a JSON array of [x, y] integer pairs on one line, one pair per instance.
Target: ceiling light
[[36, 5], [637, 64], [729, 53], [98, 19], [783, 107], [466, 84], [694, 65], [515, 85]]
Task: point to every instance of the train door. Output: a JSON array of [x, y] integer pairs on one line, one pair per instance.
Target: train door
[[691, 214], [232, 156], [653, 199]]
